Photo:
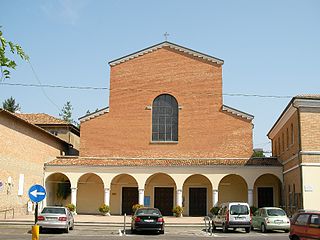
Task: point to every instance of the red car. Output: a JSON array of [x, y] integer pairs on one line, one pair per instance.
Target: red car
[[305, 225]]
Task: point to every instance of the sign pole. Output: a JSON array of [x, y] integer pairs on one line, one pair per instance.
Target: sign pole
[[36, 214]]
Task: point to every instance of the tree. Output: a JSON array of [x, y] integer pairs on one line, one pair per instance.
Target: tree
[[5, 62], [66, 112], [11, 105]]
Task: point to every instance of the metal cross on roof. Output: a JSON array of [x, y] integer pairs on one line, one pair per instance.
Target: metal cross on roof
[[166, 35]]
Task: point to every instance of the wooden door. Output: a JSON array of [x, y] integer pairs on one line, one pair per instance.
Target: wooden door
[[197, 201], [129, 198], [163, 199]]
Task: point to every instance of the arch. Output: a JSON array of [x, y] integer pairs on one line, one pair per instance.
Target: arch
[[160, 189], [124, 194], [196, 195], [58, 188], [165, 118], [233, 188], [267, 191], [90, 193]]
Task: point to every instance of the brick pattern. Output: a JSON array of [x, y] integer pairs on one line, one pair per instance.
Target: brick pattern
[[204, 131]]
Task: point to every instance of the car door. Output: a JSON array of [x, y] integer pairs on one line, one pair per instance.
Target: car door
[[255, 219], [219, 217], [300, 225], [313, 229]]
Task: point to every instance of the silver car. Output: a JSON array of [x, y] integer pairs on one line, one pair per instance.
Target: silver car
[[56, 218], [270, 218]]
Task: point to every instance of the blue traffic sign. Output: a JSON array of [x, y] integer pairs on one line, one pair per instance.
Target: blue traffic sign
[[37, 193]]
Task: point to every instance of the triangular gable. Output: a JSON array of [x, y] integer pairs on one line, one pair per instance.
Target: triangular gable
[[170, 45]]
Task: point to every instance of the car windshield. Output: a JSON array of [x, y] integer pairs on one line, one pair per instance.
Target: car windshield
[[148, 212], [276, 212], [239, 210], [54, 210]]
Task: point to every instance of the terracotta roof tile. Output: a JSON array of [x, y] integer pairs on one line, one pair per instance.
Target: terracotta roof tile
[[40, 118], [82, 161]]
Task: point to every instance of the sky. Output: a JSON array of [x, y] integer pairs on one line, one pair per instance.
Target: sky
[[269, 48]]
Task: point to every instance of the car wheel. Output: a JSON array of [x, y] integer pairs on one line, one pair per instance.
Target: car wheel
[[263, 228], [286, 231], [224, 228], [295, 237], [248, 229], [72, 227], [67, 229], [161, 232]]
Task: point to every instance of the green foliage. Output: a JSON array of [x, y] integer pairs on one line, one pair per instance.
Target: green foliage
[[258, 153], [71, 207], [64, 190], [66, 112], [104, 208], [177, 211], [253, 209], [5, 62], [135, 207], [214, 210], [11, 105]]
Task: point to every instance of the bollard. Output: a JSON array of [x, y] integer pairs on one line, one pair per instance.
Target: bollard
[[35, 232], [124, 225]]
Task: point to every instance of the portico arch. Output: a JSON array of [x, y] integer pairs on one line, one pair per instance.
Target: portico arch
[[233, 188], [124, 194], [90, 193], [58, 188], [197, 192], [160, 191], [267, 191]]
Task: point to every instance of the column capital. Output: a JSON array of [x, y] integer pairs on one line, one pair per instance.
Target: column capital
[[74, 188], [106, 189]]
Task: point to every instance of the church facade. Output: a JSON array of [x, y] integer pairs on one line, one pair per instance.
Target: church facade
[[166, 139]]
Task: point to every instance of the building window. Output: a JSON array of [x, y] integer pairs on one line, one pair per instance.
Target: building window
[[287, 138], [292, 134], [165, 119]]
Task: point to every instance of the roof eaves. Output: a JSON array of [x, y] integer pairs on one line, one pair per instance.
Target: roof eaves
[[166, 44], [34, 126], [94, 114], [237, 112]]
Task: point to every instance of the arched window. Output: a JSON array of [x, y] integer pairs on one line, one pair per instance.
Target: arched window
[[165, 118]]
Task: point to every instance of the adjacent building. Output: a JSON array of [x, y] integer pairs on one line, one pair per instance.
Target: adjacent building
[[24, 148], [166, 139], [296, 143]]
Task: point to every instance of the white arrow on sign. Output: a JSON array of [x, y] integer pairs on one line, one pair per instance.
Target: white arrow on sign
[[35, 193]]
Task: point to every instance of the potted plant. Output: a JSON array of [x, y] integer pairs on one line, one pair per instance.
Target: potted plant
[[177, 211], [104, 209], [135, 207], [71, 207]]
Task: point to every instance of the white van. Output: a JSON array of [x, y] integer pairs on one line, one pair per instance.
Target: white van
[[233, 215]]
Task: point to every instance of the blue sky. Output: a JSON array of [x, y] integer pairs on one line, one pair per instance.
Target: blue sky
[[269, 48]]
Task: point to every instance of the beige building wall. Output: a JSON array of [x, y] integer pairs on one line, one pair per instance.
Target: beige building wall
[[23, 151], [311, 186]]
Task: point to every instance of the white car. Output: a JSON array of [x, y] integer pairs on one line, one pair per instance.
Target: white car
[[233, 215], [56, 218]]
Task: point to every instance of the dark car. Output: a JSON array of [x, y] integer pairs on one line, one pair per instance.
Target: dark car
[[305, 225], [147, 219]]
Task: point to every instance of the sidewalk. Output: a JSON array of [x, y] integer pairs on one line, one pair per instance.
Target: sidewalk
[[99, 220]]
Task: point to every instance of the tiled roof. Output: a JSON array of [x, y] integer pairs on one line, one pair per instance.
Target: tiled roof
[[40, 118], [83, 161]]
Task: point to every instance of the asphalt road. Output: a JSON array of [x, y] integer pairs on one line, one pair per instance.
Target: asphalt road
[[15, 232]]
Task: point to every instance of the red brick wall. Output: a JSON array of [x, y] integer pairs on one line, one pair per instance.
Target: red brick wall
[[204, 131]]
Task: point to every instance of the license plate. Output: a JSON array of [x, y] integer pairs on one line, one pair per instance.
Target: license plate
[[239, 218], [278, 221], [149, 220], [51, 218]]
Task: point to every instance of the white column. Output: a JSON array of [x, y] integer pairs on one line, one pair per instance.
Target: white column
[[107, 196], [250, 197], [215, 197], [179, 197], [141, 196], [74, 196]]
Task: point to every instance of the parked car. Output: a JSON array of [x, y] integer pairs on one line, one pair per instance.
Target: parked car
[[56, 218], [233, 215], [270, 218], [147, 219], [305, 225]]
